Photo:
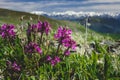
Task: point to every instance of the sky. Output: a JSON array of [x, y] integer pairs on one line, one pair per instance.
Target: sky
[[62, 5]]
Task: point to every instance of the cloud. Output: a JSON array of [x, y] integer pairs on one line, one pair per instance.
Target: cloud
[[63, 5]]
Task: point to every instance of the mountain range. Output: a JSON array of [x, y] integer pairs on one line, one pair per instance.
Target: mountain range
[[101, 22]]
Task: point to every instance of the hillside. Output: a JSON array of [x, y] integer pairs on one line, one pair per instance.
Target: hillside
[[10, 16], [103, 24]]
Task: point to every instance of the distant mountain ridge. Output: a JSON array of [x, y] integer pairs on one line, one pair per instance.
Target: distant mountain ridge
[[101, 22], [76, 14]]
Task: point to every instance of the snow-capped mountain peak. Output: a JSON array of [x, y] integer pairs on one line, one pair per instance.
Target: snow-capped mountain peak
[[70, 15]]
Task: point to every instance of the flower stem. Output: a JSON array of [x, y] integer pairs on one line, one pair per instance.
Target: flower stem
[[10, 44], [34, 37], [41, 37], [58, 48]]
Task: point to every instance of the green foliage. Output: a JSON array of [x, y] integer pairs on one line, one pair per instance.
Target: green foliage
[[76, 66], [100, 64]]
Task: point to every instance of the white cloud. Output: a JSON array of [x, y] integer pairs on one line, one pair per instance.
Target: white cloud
[[105, 0], [87, 5]]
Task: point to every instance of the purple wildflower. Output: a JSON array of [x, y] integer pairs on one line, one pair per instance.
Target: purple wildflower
[[40, 27], [7, 31], [62, 34], [31, 28], [64, 37], [69, 43], [15, 66], [54, 60], [29, 48], [67, 53], [49, 58], [57, 59], [44, 27], [32, 48], [38, 49]]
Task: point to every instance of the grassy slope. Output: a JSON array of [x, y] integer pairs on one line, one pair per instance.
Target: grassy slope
[[10, 16], [13, 17]]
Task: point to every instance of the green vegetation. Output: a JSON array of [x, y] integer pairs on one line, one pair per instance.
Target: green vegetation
[[19, 62]]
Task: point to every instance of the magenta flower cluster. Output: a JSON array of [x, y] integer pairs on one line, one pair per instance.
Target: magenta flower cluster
[[7, 31], [32, 48], [39, 27], [14, 66], [32, 28], [67, 53], [44, 27], [54, 60], [63, 33], [63, 36], [69, 43]]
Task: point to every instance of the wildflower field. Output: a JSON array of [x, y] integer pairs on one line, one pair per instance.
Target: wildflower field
[[39, 51]]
